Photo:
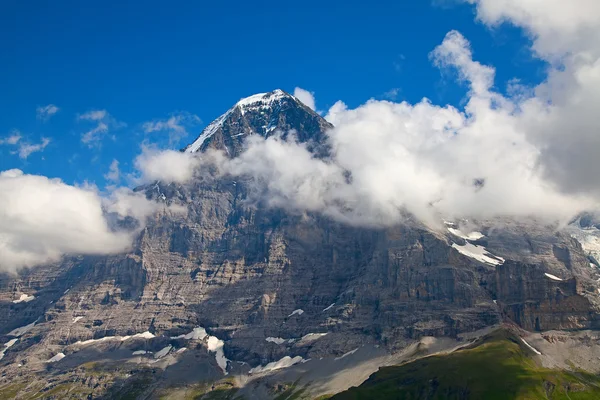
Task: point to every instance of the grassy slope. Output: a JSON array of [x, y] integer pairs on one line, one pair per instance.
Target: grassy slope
[[496, 368]]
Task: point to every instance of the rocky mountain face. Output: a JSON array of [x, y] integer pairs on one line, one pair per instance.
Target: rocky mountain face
[[269, 286], [263, 114]]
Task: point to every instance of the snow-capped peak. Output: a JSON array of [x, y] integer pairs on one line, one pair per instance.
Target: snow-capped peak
[[262, 100], [256, 102]]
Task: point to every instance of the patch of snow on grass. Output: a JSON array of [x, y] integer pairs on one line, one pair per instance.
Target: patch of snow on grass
[[24, 298], [285, 362], [56, 358], [18, 332], [531, 347], [328, 308], [296, 312], [76, 319], [347, 354], [139, 352], [478, 253]]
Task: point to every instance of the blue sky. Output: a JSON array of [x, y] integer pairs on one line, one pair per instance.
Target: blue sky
[[145, 61]]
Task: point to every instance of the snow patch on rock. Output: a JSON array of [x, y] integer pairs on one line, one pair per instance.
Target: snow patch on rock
[[553, 277], [56, 358], [18, 332], [466, 236], [275, 340], [7, 346], [296, 312], [478, 253], [163, 352], [285, 362], [347, 354], [215, 345], [143, 335], [24, 299], [198, 333]]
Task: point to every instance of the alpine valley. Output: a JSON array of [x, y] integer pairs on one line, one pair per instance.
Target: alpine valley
[[234, 298]]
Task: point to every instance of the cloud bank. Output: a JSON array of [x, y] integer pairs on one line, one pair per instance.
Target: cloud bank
[[43, 219], [533, 152]]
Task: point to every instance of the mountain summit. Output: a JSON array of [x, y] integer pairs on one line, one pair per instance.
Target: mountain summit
[[262, 114]]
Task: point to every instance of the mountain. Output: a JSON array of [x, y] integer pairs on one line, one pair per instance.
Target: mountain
[[263, 114], [241, 299], [499, 366]]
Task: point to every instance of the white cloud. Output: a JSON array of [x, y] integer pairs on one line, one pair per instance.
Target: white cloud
[[176, 126], [104, 122], [113, 174], [306, 97], [43, 219], [559, 117], [455, 51], [502, 156], [94, 115], [12, 139], [127, 203], [392, 94], [558, 27], [167, 165], [46, 112], [532, 152], [335, 111], [26, 149]]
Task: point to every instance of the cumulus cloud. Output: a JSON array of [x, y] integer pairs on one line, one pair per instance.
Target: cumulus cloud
[[26, 149], [167, 165], [176, 126], [46, 112], [557, 27], [44, 219], [103, 123], [532, 152], [336, 111], [306, 97]]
